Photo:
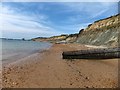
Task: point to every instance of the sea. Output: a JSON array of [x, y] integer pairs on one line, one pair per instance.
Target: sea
[[17, 49]]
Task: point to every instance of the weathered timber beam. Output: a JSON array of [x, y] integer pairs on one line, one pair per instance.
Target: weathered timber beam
[[106, 53]]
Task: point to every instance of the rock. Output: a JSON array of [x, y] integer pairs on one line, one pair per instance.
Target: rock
[[77, 79], [87, 78], [5, 80], [14, 83], [86, 87], [71, 83]]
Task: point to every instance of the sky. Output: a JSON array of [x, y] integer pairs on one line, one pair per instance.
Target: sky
[[44, 19]]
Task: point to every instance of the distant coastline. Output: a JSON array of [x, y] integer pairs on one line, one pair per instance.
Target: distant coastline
[[16, 39]]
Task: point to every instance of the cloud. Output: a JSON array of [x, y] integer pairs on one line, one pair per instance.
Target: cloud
[[88, 11], [44, 19], [88, 8], [99, 13], [19, 23]]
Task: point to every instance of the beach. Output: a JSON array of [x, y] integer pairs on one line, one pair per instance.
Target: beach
[[47, 69]]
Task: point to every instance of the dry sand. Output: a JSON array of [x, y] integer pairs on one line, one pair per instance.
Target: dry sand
[[47, 69]]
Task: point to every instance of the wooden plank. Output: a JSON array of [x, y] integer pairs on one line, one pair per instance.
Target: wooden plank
[[106, 53]]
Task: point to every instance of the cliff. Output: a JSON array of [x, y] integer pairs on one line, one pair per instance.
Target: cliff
[[71, 38], [102, 32], [52, 39]]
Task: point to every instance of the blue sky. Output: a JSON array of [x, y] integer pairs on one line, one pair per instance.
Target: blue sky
[[44, 19]]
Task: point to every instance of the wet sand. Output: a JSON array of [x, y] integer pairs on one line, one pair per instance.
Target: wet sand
[[47, 69]]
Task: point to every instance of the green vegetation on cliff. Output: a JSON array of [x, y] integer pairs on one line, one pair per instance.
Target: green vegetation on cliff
[[101, 32]]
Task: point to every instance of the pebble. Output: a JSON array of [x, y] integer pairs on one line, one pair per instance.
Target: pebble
[[71, 83], [5, 80], [86, 87], [10, 69], [87, 78], [69, 65], [14, 83], [77, 79]]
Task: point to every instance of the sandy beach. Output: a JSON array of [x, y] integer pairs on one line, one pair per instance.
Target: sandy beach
[[47, 69]]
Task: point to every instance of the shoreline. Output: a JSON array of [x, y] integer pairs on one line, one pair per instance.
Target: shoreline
[[14, 50], [47, 69], [18, 58]]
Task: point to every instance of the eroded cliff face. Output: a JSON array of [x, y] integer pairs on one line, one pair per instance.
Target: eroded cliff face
[[71, 38], [52, 39], [102, 32]]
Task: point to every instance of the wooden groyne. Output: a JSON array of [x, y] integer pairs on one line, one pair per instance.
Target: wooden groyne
[[106, 53]]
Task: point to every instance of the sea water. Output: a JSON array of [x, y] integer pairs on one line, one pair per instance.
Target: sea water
[[16, 49]]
